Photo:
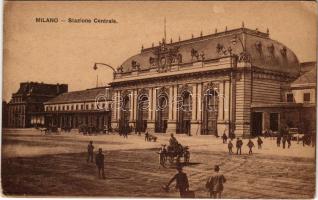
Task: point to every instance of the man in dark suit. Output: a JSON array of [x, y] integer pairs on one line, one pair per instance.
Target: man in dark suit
[[100, 163], [181, 181]]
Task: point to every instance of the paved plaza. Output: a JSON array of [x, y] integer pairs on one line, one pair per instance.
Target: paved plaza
[[51, 165]]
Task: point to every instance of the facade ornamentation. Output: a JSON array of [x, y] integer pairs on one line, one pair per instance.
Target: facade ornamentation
[[163, 91], [221, 50], [194, 54], [283, 51], [258, 46], [135, 65], [271, 49], [185, 88], [244, 57], [211, 86]]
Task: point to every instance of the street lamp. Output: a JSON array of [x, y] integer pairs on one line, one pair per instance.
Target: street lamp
[[105, 65]]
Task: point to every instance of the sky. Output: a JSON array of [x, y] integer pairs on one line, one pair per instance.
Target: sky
[[66, 52]]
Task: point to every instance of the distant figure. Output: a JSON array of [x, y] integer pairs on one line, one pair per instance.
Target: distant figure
[[289, 140], [182, 182], [259, 142], [284, 140], [279, 138], [100, 163], [250, 145], [239, 144], [162, 155], [146, 136], [230, 146], [215, 183], [224, 137], [90, 151]]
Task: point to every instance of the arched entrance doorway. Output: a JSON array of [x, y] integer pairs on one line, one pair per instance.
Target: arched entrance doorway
[[162, 113], [184, 113], [142, 112], [124, 113], [210, 112]]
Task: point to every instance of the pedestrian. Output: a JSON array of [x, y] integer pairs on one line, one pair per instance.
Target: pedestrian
[[224, 137], [250, 145], [100, 163], [162, 155], [278, 140], [284, 140], [289, 140], [259, 142], [146, 136], [239, 144], [230, 146], [126, 131], [182, 183], [90, 151], [215, 183]]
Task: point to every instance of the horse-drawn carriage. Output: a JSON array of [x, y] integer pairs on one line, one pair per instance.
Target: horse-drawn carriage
[[174, 153], [49, 129]]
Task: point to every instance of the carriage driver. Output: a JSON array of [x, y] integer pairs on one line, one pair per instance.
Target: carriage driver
[[173, 142]]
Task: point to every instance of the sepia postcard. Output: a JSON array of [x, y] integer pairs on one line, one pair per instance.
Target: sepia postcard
[[159, 99]]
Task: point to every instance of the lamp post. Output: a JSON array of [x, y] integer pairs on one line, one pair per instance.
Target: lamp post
[[105, 65]]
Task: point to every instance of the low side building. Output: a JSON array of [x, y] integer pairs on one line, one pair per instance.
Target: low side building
[[297, 108], [28, 101], [91, 107]]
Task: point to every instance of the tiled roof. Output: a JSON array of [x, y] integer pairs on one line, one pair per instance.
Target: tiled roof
[[309, 77], [78, 96], [264, 52]]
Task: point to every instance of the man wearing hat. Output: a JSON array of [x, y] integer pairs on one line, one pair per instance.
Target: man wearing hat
[[215, 183], [182, 183]]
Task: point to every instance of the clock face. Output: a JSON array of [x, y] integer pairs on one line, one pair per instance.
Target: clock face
[[163, 61]]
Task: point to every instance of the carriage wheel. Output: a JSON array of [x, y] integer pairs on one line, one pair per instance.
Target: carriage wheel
[[171, 159]]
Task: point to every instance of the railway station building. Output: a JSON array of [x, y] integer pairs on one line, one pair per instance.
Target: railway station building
[[238, 80]]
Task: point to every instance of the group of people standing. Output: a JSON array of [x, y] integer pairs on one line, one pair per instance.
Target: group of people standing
[[99, 159]]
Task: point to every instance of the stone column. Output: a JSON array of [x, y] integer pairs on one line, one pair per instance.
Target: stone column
[[172, 109], [131, 107], [152, 110], [195, 128]]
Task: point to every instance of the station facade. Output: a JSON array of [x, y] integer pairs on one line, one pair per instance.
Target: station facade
[[229, 81]]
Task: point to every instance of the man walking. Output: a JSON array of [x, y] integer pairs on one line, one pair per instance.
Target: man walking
[[289, 140], [250, 145], [181, 181], [239, 144], [224, 137], [230, 146], [100, 163], [90, 151], [284, 140], [215, 183]]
